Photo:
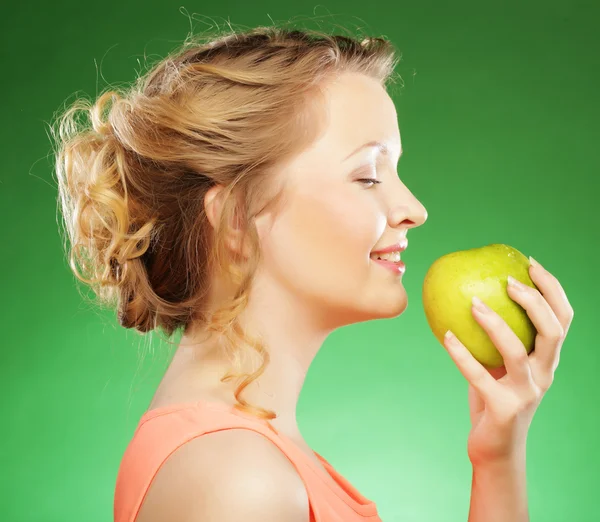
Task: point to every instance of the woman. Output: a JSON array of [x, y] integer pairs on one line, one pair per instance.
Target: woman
[[242, 193]]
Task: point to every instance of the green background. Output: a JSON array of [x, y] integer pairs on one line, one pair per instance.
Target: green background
[[499, 119]]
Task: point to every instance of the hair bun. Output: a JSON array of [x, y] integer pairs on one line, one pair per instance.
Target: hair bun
[[134, 311], [132, 188]]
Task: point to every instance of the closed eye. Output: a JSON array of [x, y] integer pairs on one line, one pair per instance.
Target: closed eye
[[364, 181]]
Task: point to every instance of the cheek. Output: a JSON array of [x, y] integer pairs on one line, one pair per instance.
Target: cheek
[[323, 240]]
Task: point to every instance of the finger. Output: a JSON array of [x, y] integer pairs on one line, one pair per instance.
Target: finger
[[497, 373], [476, 404], [471, 368], [516, 359], [555, 299], [554, 294]]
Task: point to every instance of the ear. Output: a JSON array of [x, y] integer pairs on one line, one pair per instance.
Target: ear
[[213, 205]]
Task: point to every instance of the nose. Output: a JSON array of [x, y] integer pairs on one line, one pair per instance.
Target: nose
[[409, 212]]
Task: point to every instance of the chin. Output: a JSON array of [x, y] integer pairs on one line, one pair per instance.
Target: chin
[[393, 312], [393, 309], [383, 312]]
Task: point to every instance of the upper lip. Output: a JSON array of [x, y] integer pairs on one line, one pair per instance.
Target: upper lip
[[400, 246]]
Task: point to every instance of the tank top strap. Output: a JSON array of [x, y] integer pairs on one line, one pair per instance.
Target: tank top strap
[[161, 431]]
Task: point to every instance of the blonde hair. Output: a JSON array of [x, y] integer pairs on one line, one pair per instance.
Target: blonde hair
[[228, 110]]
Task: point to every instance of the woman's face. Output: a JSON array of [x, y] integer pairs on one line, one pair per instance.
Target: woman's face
[[316, 250]]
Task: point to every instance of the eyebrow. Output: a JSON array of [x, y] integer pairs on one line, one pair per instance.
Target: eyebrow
[[383, 148]]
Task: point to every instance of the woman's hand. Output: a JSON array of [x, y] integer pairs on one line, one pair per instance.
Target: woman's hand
[[502, 401]]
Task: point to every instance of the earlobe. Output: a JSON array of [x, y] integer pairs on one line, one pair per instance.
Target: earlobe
[[213, 205]]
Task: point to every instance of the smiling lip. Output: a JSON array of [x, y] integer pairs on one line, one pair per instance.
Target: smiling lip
[[398, 247], [398, 268]]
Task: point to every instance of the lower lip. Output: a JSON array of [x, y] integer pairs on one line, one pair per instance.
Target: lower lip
[[398, 267]]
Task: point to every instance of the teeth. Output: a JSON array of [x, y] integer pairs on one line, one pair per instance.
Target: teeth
[[391, 256]]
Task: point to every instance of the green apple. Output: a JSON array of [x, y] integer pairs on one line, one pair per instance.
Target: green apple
[[451, 282]]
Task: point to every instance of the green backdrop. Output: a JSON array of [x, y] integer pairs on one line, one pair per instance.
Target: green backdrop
[[499, 119]]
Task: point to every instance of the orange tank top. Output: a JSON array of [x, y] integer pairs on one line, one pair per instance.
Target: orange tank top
[[162, 430]]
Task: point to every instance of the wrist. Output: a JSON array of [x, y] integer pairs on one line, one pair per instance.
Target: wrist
[[515, 458], [510, 463]]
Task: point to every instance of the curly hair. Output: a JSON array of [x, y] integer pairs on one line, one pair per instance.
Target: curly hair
[[132, 177]]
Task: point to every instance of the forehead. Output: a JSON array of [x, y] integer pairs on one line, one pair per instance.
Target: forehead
[[357, 109], [353, 110]]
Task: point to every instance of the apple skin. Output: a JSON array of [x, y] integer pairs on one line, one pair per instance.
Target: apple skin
[[451, 282]]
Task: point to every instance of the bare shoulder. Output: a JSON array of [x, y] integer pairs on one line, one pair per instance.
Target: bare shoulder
[[226, 476]]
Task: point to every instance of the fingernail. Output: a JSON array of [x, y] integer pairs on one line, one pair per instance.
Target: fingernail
[[534, 263], [517, 285], [449, 336], [480, 305]]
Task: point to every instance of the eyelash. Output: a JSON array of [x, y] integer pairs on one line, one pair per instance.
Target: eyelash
[[374, 181]]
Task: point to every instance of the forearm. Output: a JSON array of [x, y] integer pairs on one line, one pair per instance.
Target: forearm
[[499, 492]]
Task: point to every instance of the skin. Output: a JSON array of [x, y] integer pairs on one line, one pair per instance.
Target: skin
[[316, 274]]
